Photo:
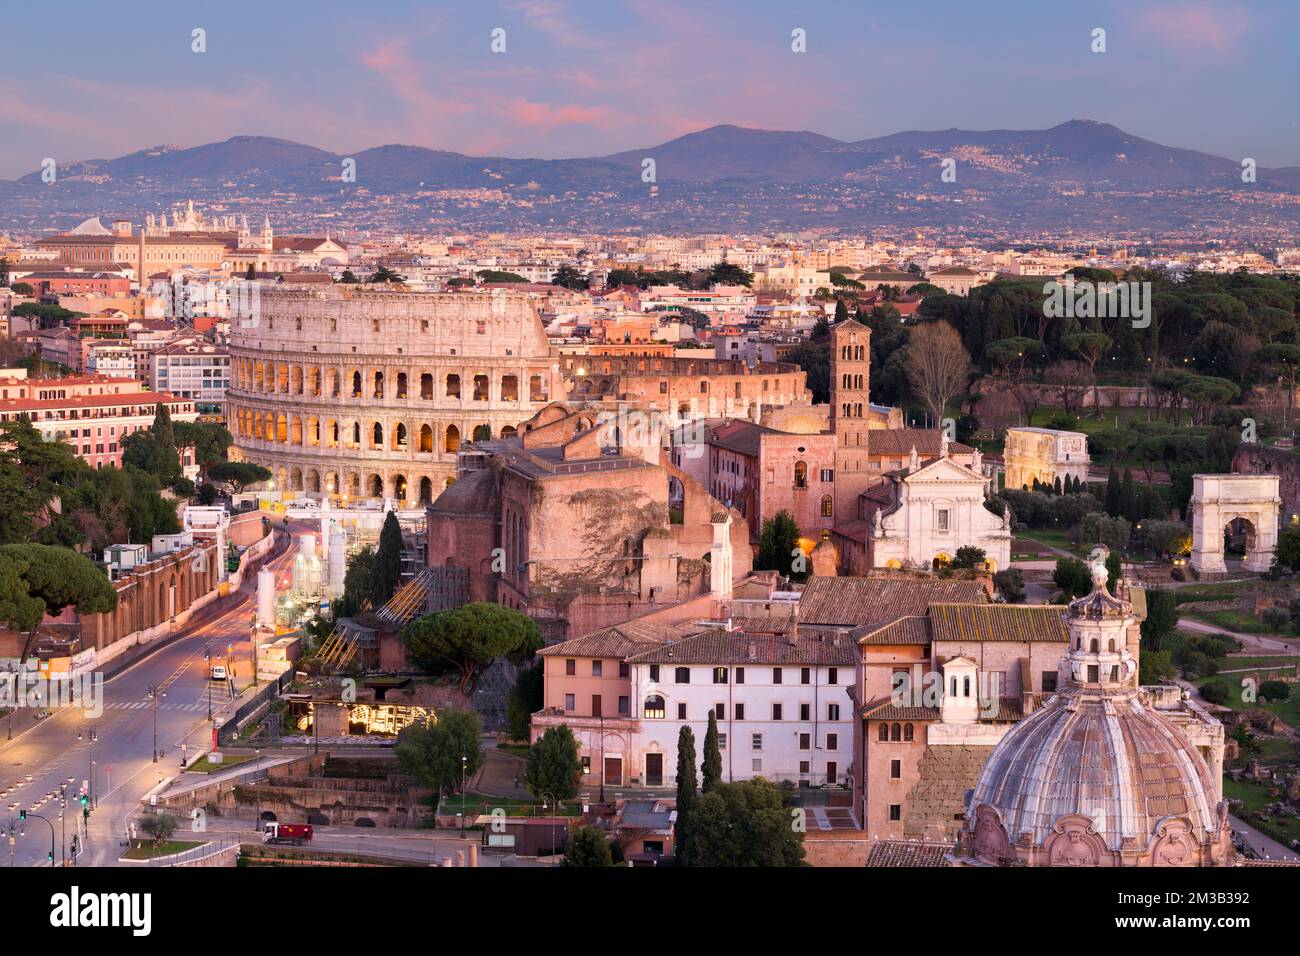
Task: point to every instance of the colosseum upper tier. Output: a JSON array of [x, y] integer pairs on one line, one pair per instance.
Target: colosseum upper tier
[[357, 391]]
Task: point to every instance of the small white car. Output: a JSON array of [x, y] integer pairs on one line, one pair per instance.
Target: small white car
[[218, 672]]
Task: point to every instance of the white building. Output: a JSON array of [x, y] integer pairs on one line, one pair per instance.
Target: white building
[[920, 516], [1045, 454], [191, 367], [782, 704]]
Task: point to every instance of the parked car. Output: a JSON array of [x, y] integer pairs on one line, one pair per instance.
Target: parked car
[[218, 672]]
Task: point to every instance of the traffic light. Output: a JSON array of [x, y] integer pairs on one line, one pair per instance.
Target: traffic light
[[85, 813], [22, 814], [85, 799]]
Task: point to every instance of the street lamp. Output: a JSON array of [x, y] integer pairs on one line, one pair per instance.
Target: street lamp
[[207, 662], [23, 815], [550, 803], [91, 736], [154, 694], [464, 762]]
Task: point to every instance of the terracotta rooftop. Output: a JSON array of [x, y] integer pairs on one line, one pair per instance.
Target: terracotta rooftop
[[849, 602], [900, 441], [913, 629], [907, 853], [998, 622], [619, 641], [737, 647]]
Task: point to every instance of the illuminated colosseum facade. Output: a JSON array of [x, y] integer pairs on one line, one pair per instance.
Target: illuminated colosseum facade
[[356, 392]]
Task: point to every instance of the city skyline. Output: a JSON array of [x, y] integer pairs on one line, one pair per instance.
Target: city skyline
[[577, 80]]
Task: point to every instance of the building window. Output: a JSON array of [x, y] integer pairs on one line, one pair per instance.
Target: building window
[[895, 812], [596, 668], [569, 702], [722, 741], [682, 675], [654, 707], [719, 675], [832, 741], [720, 711], [805, 742], [895, 732], [834, 677], [828, 475], [804, 711], [1049, 681], [776, 711], [805, 675], [833, 712], [570, 667], [740, 711], [804, 768], [654, 673], [681, 710], [776, 675], [941, 519], [801, 474], [623, 669], [895, 769], [882, 734], [740, 675], [757, 764], [908, 732], [756, 742], [624, 706], [828, 506]]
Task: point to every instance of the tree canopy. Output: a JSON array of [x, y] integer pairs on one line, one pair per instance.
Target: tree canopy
[[471, 637]]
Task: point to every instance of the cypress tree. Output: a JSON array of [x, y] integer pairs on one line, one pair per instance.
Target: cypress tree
[[1129, 498], [1057, 486], [711, 769], [841, 311], [1114, 503], [686, 783], [388, 562]]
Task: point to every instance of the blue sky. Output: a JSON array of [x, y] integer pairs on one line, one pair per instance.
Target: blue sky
[[590, 77]]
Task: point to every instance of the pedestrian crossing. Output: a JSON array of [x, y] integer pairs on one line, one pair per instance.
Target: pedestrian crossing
[[148, 705]]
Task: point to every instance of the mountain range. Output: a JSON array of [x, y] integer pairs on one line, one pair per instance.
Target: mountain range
[[791, 179]]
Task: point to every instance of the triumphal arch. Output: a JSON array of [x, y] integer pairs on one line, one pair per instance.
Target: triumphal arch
[[1244, 505]]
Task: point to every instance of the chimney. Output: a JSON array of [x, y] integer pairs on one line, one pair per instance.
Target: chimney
[[753, 652]]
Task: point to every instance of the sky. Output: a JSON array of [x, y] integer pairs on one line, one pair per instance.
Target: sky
[[86, 80]]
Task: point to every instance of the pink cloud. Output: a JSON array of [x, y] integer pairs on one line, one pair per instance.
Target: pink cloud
[[1202, 28]]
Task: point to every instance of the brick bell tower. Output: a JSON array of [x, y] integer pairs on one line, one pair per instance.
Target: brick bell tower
[[850, 405]]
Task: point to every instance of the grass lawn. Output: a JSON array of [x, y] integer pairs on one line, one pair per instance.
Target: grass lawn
[[1209, 592], [1239, 621], [228, 761], [1254, 795], [1055, 539], [1288, 710], [146, 849], [1235, 663], [519, 750]]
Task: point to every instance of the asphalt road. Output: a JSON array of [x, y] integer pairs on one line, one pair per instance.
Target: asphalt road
[[42, 756]]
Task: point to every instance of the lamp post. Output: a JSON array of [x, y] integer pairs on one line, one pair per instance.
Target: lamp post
[[91, 736], [207, 662], [63, 823], [257, 790], [154, 694], [550, 803], [464, 762]]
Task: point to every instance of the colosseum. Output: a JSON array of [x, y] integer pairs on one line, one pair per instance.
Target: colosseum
[[354, 391]]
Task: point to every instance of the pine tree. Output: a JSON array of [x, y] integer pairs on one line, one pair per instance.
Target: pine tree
[[388, 562], [1114, 502], [686, 794], [711, 769]]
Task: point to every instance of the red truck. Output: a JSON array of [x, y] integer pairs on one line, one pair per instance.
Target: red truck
[[295, 833]]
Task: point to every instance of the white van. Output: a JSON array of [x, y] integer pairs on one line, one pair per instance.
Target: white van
[[218, 672]]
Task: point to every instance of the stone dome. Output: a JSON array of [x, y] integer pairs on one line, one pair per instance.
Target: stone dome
[[1097, 776], [1088, 780]]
